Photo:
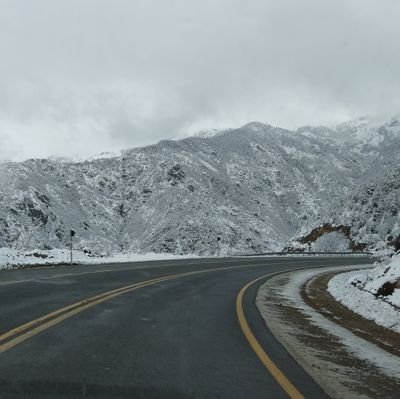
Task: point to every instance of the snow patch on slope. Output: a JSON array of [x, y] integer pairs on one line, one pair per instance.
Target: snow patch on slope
[[331, 242]]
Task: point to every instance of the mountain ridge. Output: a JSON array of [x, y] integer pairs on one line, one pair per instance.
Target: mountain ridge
[[256, 187]]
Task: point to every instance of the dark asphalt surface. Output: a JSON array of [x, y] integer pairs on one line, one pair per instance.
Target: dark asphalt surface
[[178, 339]]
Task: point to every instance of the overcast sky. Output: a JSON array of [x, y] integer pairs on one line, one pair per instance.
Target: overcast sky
[[79, 77]]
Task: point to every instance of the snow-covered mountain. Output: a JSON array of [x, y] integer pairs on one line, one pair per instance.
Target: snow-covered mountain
[[255, 187], [373, 211]]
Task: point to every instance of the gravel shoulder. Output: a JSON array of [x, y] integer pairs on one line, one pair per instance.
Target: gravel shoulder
[[345, 354]]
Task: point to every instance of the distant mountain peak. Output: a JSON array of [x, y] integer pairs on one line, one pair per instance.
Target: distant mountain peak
[[205, 133], [105, 155], [256, 126]]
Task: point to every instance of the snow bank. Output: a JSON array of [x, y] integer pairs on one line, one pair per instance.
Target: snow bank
[[10, 258], [324, 363], [374, 293]]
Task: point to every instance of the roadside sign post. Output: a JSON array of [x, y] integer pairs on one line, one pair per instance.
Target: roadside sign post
[[218, 246], [72, 233]]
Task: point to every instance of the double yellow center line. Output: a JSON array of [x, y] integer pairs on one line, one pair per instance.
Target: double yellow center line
[[25, 331]]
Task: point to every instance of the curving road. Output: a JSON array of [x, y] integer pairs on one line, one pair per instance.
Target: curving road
[[164, 329]]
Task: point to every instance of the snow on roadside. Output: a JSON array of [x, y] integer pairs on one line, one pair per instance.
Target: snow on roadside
[[10, 258], [364, 293], [286, 289]]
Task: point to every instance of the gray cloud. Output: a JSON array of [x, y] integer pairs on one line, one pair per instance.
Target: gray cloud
[[80, 77]]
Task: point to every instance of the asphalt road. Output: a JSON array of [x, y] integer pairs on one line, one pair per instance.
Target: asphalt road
[[173, 339]]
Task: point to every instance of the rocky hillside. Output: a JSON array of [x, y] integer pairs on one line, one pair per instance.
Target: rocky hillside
[[373, 212], [255, 187]]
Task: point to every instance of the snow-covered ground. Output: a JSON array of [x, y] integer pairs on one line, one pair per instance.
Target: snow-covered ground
[[10, 258], [374, 293], [343, 363]]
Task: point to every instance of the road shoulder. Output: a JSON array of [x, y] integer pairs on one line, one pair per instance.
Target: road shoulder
[[313, 328]]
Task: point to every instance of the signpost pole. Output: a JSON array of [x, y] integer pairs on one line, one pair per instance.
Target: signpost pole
[[72, 233]]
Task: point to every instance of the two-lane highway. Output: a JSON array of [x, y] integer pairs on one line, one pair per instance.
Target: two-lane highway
[[165, 329]]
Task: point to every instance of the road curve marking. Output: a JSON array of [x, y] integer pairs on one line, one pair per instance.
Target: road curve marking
[[10, 282], [33, 323], [30, 280], [16, 281], [28, 330], [41, 327], [273, 369]]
